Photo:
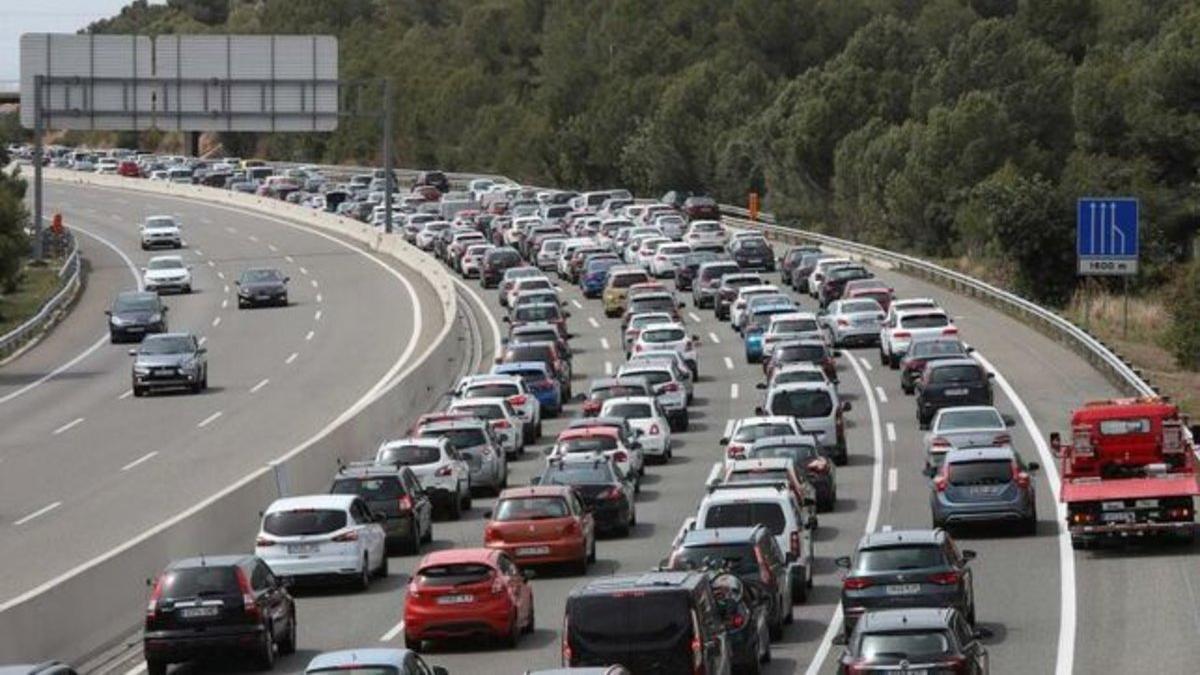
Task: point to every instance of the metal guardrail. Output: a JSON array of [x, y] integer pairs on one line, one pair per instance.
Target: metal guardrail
[[69, 278]]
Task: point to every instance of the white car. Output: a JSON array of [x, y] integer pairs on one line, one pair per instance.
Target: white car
[[161, 231], [529, 283], [675, 358], [167, 273], [744, 293], [585, 442], [107, 166], [907, 325], [320, 536], [741, 434], [790, 326], [648, 249], [731, 505], [670, 336], [472, 260], [514, 390], [668, 258], [645, 415], [504, 421], [429, 233], [443, 472], [668, 387], [672, 224], [547, 255], [706, 232]]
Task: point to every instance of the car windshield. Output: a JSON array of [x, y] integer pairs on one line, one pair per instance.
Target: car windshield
[[740, 558], [302, 522], [981, 472], [624, 620], [663, 335], [459, 438], [925, 321], [410, 455], [578, 474], [588, 444], [638, 305], [136, 303], [160, 222], [908, 646], [894, 558], [487, 411], [628, 410], [652, 377], [165, 345], [531, 508], [860, 306], [455, 574], [165, 264], [536, 313], [791, 451], [936, 348], [799, 353], [802, 403], [258, 276], [753, 432], [953, 420], [746, 514], [492, 390], [964, 373], [799, 375], [372, 489], [194, 582]]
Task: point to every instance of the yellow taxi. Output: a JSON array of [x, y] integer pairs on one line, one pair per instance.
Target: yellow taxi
[[616, 291]]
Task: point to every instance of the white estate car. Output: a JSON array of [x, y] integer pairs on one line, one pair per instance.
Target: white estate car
[[443, 472], [322, 536], [167, 273], [645, 415]]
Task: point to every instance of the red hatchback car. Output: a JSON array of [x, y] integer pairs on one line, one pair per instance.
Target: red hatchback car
[[465, 592], [543, 524]]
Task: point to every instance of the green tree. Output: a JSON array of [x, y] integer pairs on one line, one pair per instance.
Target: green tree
[[14, 218], [1183, 336]]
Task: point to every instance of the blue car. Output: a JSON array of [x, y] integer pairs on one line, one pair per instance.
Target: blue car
[[540, 380], [595, 276], [756, 325]]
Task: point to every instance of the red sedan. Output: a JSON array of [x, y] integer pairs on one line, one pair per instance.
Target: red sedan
[[542, 524], [465, 592]]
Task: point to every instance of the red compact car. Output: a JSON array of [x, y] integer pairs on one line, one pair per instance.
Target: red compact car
[[542, 524], [465, 592], [129, 169]]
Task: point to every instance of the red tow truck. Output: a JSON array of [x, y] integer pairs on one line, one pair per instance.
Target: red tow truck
[[1129, 471]]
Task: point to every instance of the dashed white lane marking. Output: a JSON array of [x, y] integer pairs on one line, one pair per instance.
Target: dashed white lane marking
[[716, 340], [212, 264], [314, 283], [309, 336], [881, 394], [199, 253], [319, 297], [224, 303], [291, 358], [604, 344], [289, 258], [273, 247], [231, 230], [216, 321], [866, 364], [317, 315], [694, 317], [893, 479], [127, 394], [226, 289], [137, 670], [392, 632], [40, 512], [69, 425], [592, 320], [891, 432], [728, 429], [576, 303], [262, 383], [144, 458], [608, 368], [303, 270], [728, 363], [220, 275], [733, 391], [253, 238], [203, 339], [209, 420]]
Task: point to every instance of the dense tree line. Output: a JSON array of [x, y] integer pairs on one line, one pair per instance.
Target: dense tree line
[[946, 127]]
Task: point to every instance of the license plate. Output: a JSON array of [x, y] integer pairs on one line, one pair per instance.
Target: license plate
[[957, 392], [198, 612], [135, 329], [455, 599], [903, 589], [300, 549], [1120, 517], [533, 550], [1112, 506], [164, 371]]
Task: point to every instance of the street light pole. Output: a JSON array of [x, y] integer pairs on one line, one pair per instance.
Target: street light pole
[[38, 160]]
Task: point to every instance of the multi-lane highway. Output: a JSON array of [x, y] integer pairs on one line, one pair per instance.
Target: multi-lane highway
[[85, 466]]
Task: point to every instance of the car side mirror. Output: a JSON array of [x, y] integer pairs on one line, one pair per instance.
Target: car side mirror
[[108, 312], [505, 319], [536, 480], [149, 582], [759, 410], [546, 451], [968, 555], [487, 515], [635, 446], [579, 398], [566, 315], [286, 279], [846, 406], [929, 471], [1195, 428], [761, 385], [983, 634], [133, 352], [839, 640], [843, 562], [724, 440], [1033, 466], [682, 304], [1056, 443], [1009, 421], [237, 282]]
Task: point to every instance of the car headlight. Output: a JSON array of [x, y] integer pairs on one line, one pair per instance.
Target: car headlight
[[155, 318], [118, 321], [141, 370]]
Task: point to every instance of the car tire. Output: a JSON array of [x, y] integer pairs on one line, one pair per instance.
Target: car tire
[[362, 580], [513, 636], [138, 392], [385, 566], [156, 667], [288, 644], [1029, 527], [776, 630], [265, 658], [196, 388], [428, 536], [531, 625], [800, 590], [466, 500], [454, 506], [413, 644], [894, 362], [204, 380], [883, 358], [187, 290], [591, 556]]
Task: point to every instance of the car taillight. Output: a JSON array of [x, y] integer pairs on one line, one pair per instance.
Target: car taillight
[[794, 543], [491, 534], [611, 493], [497, 586], [843, 322], [738, 620], [1020, 477], [1002, 439], [638, 347], [735, 452], [501, 424], [671, 386], [944, 578], [901, 334], [955, 664], [819, 465], [248, 604], [264, 541], [653, 431], [949, 330], [344, 537], [620, 456], [856, 668], [940, 482], [856, 583], [518, 400], [939, 444], [566, 641], [155, 595], [443, 471], [405, 503], [413, 590], [591, 407]]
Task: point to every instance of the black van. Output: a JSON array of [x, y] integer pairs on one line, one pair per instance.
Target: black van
[[655, 622]]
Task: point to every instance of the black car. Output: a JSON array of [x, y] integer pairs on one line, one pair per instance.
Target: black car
[[602, 488], [753, 253], [496, 262], [685, 274], [805, 453], [749, 552], [262, 286], [654, 622], [217, 605], [541, 352], [394, 491], [915, 640], [792, 259], [905, 569], [700, 207], [804, 269], [539, 332], [951, 382], [835, 281], [134, 314], [436, 179], [921, 352]]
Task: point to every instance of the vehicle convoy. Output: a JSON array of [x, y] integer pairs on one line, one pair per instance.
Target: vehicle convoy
[[1128, 471]]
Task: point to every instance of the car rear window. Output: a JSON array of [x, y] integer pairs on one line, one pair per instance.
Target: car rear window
[[639, 305], [663, 335], [459, 438], [303, 522], [629, 410], [487, 411], [799, 353], [627, 279], [746, 514], [503, 258], [492, 390], [964, 373], [530, 508], [634, 618], [194, 582], [861, 306], [536, 313], [893, 558], [718, 271], [924, 321], [802, 403], [738, 282], [787, 377], [589, 444], [790, 451], [740, 558], [980, 472], [442, 576], [410, 455], [652, 377], [954, 420], [373, 489], [578, 474], [906, 646], [530, 352], [795, 326], [936, 347]]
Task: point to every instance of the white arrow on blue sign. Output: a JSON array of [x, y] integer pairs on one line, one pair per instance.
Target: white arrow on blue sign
[[1106, 235]]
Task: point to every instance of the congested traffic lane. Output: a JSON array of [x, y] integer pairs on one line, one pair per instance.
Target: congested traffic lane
[[278, 376]]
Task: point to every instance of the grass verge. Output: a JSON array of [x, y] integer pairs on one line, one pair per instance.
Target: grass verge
[[38, 284]]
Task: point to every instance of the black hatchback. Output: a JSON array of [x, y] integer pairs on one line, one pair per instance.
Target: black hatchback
[[496, 262], [134, 314], [951, 383], [925, 640], [262, 286], [218, 605]]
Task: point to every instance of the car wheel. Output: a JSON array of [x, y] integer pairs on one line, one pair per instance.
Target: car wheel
[[385, 566], [265, 659], [187, 289], [138, 392], [363, 579], [894, 362], [776, 629], [466, 500], [428, 536], [591, 557], [455, 505], [766, 655], [685, 422], [196, 388], [883, 359], [530, 625], [513, 636], [413, 644], [154, 666], [800, 591], [288, 644], [971, 614]]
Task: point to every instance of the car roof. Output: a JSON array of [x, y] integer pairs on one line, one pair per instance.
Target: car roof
[[789, 439], [718, 535], [947, 363], [490, 378], [802, 386], [597, 421], [739, 465], [900, 538], [890, 620], [450, 556], [520, 365], [164, 336], [647, 581], [750, 492], [364, 657], [226, 560], [535, 491], [788, 316], [675, 325], [423, 442], [763, 419], [980, 454], [629, 399], [648, 364], [311, 502]]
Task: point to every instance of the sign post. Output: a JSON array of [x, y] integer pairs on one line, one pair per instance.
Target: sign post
[[1107, 243]]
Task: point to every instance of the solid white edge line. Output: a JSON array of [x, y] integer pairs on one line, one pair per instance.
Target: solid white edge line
[[392, 632], [1065, 654], [144, 458], [95, 345], [69, 425], [40, 512], [209, 420], [497, 345], [866, 363], [835, 622]]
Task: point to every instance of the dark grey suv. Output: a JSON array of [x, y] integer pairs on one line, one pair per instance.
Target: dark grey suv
[[951, 382], [915, 641], [262, 286], [170, 360], [984, 485], [906, 568], [135, 314]]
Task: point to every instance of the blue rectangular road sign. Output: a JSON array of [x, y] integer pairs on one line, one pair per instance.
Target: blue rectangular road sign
[[1106, 235]]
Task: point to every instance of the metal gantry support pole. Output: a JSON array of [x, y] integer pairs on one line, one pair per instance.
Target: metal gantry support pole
[[388, 179], [38, 160]]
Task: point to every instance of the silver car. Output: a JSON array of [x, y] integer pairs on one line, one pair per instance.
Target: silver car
[[852, 322], [964, 427], [486, 462], [169, 360]]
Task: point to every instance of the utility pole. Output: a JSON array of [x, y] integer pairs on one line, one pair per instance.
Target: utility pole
[[388, 180], [38, 159]]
